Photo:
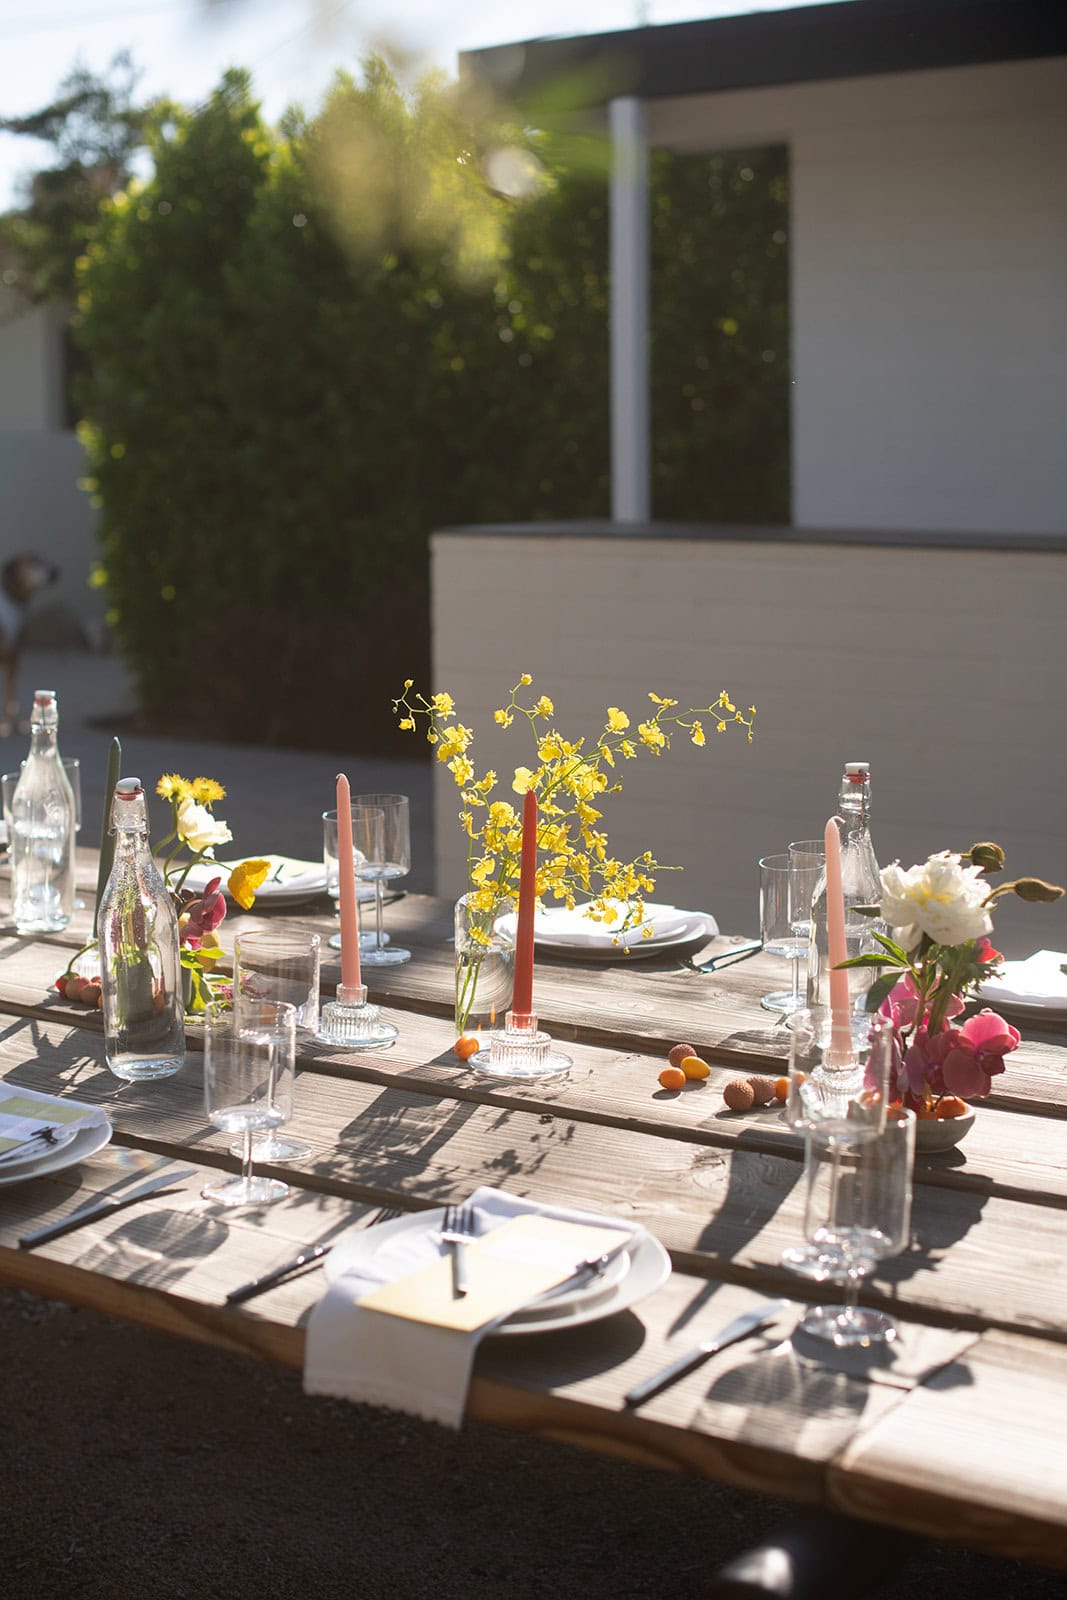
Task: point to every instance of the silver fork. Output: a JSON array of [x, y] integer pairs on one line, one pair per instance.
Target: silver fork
[[458, 1226]]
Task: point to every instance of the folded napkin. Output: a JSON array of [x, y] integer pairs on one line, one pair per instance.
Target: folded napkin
[[559, 926], [1038, 981], [24, 1113], [359, 1353]]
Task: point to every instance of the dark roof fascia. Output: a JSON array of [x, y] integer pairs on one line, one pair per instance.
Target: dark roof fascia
[[726, 533], [843, 39]]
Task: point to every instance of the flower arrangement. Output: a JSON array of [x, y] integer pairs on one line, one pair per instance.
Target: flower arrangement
[[196, 829], [936, 955], [569, 778]]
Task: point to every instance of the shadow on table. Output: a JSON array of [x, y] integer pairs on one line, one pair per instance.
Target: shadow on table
[[155, 1249]]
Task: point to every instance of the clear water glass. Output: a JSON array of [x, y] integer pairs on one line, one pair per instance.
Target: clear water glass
[[329, 859], [857, 1212], [280, 965], [485, 966], [382, 864], [786, 887], [249, 1060]]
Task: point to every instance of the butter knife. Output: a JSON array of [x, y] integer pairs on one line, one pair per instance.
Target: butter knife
[[739, 1328], [101, 1208]]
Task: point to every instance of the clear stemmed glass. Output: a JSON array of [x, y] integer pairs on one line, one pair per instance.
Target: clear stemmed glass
[[249, 1057], [282, 966], [858, 1211], [329, 857], [786, 887], [390, 860]]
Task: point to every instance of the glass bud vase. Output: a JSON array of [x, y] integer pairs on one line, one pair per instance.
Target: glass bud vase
[[485, 966]]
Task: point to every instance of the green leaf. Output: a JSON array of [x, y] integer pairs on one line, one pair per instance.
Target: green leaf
[[866, 911], [899, 955], [870, 960], [878, 990]]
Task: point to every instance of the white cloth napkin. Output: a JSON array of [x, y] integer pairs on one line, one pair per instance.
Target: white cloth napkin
[[558, 926], [24, 1112], [363, 1355], [1038, 981]]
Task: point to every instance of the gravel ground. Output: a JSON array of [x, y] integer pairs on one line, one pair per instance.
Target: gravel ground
[[143, 1466]]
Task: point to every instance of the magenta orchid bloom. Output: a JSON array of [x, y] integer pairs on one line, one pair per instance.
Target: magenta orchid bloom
[[977, 1053], [202, 915], [901, 1004]]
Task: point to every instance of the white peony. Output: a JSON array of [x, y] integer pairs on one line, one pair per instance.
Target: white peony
[[198, 828], [941, 898]]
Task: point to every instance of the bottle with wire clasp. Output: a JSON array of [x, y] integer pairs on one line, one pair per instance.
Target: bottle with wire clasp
[[42, 829], [140, 955]]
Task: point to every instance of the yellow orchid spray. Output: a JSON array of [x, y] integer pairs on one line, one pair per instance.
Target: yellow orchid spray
[[569, 778]]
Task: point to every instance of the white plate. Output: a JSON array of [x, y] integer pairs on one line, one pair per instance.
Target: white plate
[[638, 1271], [701, 926], [300, 880], [84, 1143]]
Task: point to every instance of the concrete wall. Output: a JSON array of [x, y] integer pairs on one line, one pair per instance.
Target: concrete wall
[[944, 668], [929, 313], [41, 507]]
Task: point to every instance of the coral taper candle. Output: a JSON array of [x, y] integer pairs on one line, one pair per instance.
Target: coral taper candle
[[522, 995], [840, 1027], [107, 838], [351, 976]]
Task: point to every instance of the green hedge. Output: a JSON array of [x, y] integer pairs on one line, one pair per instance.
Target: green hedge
[[311, 346]]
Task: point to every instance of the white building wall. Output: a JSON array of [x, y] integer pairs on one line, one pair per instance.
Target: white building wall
[[942, 667], [29, 366], [929, 290]]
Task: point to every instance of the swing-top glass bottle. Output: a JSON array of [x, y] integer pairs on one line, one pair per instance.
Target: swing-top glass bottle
[[140, 958], [861, 886], [42, 829]]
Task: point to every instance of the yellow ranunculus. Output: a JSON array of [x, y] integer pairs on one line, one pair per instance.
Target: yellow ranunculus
[[245, 879]]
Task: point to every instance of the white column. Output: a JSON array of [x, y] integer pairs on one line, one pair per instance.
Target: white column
[[631, 499]]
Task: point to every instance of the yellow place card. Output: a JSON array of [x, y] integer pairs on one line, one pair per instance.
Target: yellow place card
[[46, 1112], [506, 1269]]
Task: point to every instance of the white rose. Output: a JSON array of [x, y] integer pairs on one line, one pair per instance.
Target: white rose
[[198, 828], [941, 898]]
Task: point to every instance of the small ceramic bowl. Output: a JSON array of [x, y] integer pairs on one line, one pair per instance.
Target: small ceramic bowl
[[942, 1133]]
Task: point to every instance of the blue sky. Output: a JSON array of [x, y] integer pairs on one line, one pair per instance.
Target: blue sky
[[291, 46]]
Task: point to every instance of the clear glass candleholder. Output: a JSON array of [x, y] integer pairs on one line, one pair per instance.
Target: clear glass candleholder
[[351, 1022], [521, 1050]]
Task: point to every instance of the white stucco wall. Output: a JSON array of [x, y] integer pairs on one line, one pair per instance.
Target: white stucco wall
[[929, 290], [29, 366], [943, 668]]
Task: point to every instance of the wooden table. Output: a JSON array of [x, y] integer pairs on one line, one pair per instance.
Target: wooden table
[[961, 1435]]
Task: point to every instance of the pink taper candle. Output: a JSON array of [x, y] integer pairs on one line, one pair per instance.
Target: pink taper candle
[[840, 1029], [351, 976], [522, 996]]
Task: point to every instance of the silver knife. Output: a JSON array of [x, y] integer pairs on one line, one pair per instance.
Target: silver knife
[[248, 1291], [100, 1208], [739, 1328]]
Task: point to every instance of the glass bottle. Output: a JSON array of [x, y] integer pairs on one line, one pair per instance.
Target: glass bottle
[[861, 886], [42, 829], [140, 962]]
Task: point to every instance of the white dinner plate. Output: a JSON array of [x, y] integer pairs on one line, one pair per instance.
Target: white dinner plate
[[700, 926], [287, 883], [635, 1272], [84, 1143]]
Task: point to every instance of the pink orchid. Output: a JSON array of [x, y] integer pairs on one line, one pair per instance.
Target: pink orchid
[[202, 915], [976, 1055], [901, 1004]]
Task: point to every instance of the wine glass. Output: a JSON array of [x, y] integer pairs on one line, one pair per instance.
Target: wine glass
[[382, 862], [329, 857], [249, 1055], [280, 965], [857, 1212], [787, 883]]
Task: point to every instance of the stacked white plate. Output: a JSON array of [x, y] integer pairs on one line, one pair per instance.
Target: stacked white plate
[[662, 927]]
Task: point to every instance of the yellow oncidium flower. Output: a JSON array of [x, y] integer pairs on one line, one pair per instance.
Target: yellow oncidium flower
[[172, 786], [574, 855], [206, 791], [245, 879]]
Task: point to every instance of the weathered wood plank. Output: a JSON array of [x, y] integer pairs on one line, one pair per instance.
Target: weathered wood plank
[[996, 1405]]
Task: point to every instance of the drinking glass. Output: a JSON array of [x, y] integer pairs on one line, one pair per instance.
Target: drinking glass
[[857, 1212], [249, 1057], [329, 857], [786, 887], [280, 966], [381, 864]]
